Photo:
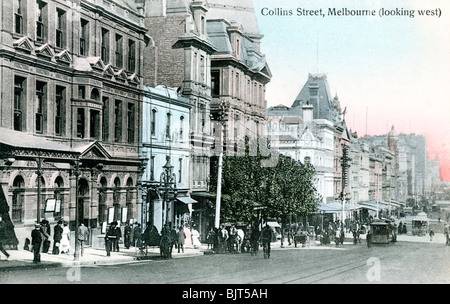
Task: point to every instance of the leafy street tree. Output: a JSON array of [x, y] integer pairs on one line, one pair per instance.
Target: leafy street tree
[[283, 190]]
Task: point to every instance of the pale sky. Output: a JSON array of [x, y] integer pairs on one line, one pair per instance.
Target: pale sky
[[394, 70]]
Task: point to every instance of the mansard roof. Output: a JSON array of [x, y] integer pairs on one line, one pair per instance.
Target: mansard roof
[[327, 107], [239, 11]]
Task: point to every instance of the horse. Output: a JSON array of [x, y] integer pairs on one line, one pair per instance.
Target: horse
[[239, 239]]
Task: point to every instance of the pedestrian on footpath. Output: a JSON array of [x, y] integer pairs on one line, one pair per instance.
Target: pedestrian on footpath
[[57, 236], [266, 238], [65, 239], [45, 230], [36, 240], [127, 235], [431, 234], [369, 237], [137, 231], [109, 238], [118, 233], [83, 236], [181, 239], [3, 237]]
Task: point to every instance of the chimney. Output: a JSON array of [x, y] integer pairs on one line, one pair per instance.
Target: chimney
[[314, 98], [307, 112]]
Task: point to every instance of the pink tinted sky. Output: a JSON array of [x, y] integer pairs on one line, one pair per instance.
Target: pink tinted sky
[[385, 70]]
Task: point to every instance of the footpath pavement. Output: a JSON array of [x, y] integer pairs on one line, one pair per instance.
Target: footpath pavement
[[23, 259]]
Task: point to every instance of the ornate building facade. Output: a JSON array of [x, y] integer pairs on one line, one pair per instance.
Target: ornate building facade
[[71, 99], [239, 71]]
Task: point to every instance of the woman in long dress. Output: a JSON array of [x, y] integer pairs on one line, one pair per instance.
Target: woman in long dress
[[65, 240], [195, 238]]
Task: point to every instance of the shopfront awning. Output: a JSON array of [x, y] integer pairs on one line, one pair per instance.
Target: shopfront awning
[[373, 206], [186, 199], [332, 208], [203, 194]]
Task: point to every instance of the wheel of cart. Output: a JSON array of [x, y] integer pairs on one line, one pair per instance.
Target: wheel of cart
[[165, 247], [141, 249]]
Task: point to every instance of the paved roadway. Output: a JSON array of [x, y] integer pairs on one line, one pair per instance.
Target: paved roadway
[[401, 262]]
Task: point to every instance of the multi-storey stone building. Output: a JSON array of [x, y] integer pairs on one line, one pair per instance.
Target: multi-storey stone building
[[165, 142], [179, 56], [331, 158], [71, 75], [239, 71]]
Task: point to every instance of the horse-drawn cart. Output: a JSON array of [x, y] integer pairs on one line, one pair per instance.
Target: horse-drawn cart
[[301, 238], [151, 238]]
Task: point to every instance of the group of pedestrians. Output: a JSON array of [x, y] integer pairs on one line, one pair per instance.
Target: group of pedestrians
[[41, 239]]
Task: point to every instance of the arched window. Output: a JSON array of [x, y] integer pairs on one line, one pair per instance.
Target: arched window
[[18, 190], [95, 94]]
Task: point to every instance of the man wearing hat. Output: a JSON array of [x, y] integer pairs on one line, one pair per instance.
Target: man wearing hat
[[36, 240]]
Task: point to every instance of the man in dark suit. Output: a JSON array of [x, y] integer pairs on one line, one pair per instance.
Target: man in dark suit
[[57, 236], [36, 240]]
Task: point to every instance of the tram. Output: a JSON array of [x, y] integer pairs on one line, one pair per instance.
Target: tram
[[382, 231], [420, 224]]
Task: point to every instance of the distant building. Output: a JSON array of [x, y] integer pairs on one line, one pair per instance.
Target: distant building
[[313, 130]]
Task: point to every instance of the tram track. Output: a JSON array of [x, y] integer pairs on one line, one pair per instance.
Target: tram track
[[334, 271], [226, 272]]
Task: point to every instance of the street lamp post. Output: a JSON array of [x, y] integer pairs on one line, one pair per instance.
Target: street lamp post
[[167, 186], [39, 175], [77, 173], [222, 119], [321, 227]]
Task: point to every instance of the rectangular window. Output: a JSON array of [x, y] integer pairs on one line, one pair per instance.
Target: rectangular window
[[131, 122], [168, 125], [203, 116], [181, 127], [40, 105], [19, 84], [238, 86], [195, 67], [215, 83], [180, 170], [80, 123], [105, 122], [118, 121], [59, 109], [131, 56], [152, 168], [84, 40], [119, 51], [105, 46], [81, 92], [94, 126], [19, 10], [41, 20], [202, 69], [153, 123], [60, 28]]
